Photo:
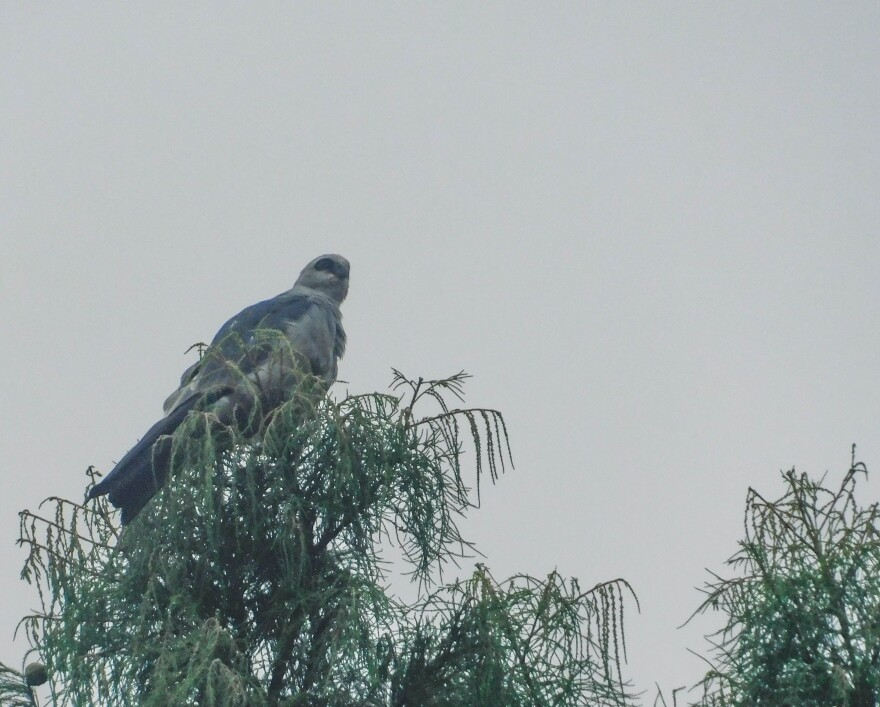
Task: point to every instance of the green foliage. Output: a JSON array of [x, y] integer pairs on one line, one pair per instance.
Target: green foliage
[[14, 690], [255, 576], [522, 642], [803, 614]]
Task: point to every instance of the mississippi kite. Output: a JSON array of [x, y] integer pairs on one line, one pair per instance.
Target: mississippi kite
[[252, 366]]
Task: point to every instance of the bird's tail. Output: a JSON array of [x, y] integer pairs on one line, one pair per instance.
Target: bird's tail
[[141, 472]]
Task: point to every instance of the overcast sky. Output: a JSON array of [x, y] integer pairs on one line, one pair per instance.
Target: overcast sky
[[650, 231]]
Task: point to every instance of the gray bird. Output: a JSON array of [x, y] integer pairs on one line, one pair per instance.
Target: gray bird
[[252, 366]]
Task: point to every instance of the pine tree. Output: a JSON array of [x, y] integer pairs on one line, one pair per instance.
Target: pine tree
[[803, 609], [256, 576]]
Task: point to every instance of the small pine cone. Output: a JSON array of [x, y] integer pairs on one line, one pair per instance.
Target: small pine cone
[[35, 674]]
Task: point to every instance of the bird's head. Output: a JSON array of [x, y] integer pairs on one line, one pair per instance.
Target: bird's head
[[327, 274]]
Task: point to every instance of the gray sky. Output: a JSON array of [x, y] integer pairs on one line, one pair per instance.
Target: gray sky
[[650, 232]]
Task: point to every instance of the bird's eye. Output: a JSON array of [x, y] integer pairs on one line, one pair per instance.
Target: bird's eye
[[325, 264]]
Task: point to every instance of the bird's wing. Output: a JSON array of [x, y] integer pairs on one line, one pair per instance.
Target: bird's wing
[[269, 314], [251, 344]]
